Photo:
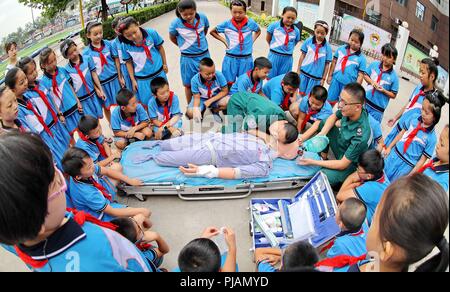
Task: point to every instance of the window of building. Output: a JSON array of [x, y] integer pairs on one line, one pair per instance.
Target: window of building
[[402, 2], [249, 3], [263, 6], [420, 11], [434, 23]]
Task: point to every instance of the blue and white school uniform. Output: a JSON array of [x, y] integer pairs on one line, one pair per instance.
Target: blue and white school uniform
[[317, 56], [438, 173], [191, 39], [120, 121], [63, 97], [377, 102], [399, 162], [151, 255], [156, 111], [265, 267], [282, 47], [274, 91], [200, 86], [146, 67], [238, 58], [343, 75], [325, 112], [87, 96], [117, 50], [370, 193], [107, 73], [84, 196], [85, 248], [377, 132], [246, 83], [91, 148], [349, 244]]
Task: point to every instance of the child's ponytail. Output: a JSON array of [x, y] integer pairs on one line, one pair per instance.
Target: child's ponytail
[[439, 262]]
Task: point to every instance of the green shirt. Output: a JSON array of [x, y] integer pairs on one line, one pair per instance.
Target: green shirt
[[355, 137], [256, 111]]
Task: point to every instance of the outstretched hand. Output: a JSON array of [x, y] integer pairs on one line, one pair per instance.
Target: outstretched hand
[[191, 170]]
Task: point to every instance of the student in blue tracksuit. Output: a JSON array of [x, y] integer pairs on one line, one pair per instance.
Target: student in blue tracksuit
[[210, 90], [298, 255], [437, 167], [92, 191], [57, 83], [103, 54], [136, 230], [349, 65], [239, 39], [85, 80], [188, 32], [383, 82], [428, 73], [252, 81], [40, 231], [315, 59], [282, 37], [367, 183], [282, 89], [117, 52], [416, 141], [311, 109], [143, 51], [164, 111]]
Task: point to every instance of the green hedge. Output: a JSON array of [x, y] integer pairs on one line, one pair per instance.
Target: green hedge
[[142, 16]]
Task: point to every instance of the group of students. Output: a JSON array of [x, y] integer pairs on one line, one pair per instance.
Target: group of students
[[129, 73]]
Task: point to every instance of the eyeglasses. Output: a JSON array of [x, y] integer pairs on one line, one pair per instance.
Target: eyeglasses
[[63, 188], [342, 103]]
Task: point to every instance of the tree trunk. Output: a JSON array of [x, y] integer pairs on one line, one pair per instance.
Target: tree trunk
[[104, 10]]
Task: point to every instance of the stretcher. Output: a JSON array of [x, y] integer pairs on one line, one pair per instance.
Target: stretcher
[[310, 215], [161, 181]]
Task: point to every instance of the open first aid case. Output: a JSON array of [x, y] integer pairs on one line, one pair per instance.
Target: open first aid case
[[310, 215]]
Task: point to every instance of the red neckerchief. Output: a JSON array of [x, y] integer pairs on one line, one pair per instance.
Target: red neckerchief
[[55, 87], [255, 84], [415, 98], [412, 135], [340, 261], [146, 49], [143, 246], [307, 117], [382, 179], [195, 28], [80, 217], [47, 103], [101, 188], [100, 147], [285, 103], [239, 28], [379, 76], [39, 117], [330, 245], [167, 109], [345, 59], [83, 79], [316, 53], [103, 60], [209, 85], [130, 120], [430, 164], [287, 31]]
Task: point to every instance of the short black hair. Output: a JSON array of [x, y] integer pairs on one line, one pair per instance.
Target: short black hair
[[158, 83], [289, 9], [292, 79], [200, 255], [432, 64], [125, 23], [389, 50], [359, 33], [353, 213], [291, 133], [299, 254], [208, 62], [238, 3], [372, 162], [185, 5], [24, 63], [320, 93], [125, 227], [356, 91], [123, 96], [87, 123], [8, 46], [262, 62], [72, 161], [11, 77], [26, 173]]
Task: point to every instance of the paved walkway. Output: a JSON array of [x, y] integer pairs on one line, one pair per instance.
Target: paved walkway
[[179, 221]]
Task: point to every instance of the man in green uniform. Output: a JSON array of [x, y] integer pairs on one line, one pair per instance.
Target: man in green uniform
[[350, 139]]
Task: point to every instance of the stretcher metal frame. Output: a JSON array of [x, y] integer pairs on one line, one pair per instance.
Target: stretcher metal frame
[[211, 192]]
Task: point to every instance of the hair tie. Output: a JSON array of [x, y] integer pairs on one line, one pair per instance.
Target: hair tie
[[442, 243]]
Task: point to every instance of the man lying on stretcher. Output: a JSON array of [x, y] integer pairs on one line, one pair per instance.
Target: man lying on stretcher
[[225, 156]]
